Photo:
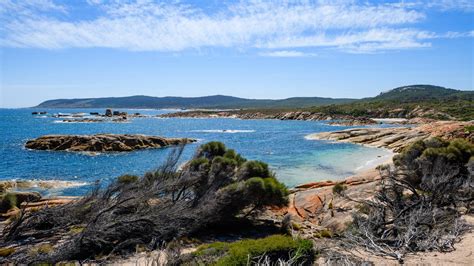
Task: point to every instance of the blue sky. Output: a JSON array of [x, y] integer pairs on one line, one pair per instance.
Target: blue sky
[[254, 49]]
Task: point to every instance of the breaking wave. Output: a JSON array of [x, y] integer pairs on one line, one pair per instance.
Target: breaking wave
[[229, 131]]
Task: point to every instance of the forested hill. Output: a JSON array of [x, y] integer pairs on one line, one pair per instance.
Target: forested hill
[[410, 101], [210, 102], [423, 93]]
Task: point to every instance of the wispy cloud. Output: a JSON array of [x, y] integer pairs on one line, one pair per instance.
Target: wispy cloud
[[144, 25], [287, 53]]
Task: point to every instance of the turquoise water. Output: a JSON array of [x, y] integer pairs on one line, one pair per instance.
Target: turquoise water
[[281, 144]]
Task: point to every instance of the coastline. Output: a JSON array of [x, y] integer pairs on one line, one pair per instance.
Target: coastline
[[374, 163], [398, 138]]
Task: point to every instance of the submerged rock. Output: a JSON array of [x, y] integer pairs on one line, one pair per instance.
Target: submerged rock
[[102, 142]]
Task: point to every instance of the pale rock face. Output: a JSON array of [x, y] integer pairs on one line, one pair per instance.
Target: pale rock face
[[398, 138]]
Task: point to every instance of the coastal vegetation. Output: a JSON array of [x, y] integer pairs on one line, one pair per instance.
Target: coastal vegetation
[[416, 206], [275, 249], [424, 101], [420, 203], [408, 102], [162, 206]]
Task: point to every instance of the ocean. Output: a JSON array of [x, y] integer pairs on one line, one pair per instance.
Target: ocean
[[281, 144]]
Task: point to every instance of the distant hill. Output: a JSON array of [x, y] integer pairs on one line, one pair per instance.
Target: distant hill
[[407, 101], [210, 102], [416, 93], [410, 101]]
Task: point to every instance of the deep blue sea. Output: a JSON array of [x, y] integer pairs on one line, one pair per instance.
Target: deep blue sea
[[282, 144]]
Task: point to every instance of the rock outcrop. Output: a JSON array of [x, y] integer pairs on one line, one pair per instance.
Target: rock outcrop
[[355, 122], [317, 208], [290, 115], [400, 137], [102, 142]]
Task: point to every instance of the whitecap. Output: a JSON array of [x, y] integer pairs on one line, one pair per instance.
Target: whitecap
[[41, 184], [229, 131]]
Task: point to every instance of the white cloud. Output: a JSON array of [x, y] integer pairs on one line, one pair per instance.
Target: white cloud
[[148, 26], [464, 5], [441, 5], [28, 7], [455, 34], [287, 53], [373, 40]]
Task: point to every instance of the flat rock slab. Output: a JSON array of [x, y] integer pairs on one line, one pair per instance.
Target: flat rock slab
[[103, 142], [398, 138]]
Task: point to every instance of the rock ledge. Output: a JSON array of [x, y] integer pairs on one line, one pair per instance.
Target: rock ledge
[[102, 142]]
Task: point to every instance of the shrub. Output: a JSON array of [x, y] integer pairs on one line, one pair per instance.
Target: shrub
[[213, 148], [256, 168], [241, 252], [417, 206], [338, 188], [324, 234], [8, 201], [5, 252], [231, 154], [76, 229], [164, 205], [127, 179], [266, 191], [198, 162], [42, 249], [219, 162], [469, 129], [434, 157]]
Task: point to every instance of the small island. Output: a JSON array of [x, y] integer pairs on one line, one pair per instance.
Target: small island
[[103, 142]]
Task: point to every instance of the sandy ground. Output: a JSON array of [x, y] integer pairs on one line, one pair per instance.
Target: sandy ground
[[463, 255]]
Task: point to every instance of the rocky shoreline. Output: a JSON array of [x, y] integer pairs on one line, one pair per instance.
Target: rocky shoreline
[[398, 138], [286, 115], [103, 142]]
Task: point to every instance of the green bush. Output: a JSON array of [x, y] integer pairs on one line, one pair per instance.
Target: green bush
[[8, 201], [231, 154], [469, 129], [256, 168], [219, 163], [196, 163], [434, 157], [213, 148], [323, 234], [338, 188], [457, 151], [127, 179], [266, 191], [239, 252]]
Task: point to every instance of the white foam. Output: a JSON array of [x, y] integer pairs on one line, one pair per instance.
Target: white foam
[[229, 131], [371, 164], [43, 184]]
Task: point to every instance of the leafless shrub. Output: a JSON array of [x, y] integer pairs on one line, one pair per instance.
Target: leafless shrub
[[416, 208]]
